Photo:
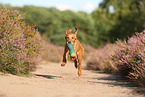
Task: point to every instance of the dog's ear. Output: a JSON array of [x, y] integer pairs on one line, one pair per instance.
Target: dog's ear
[[68, 31], [76, 30]]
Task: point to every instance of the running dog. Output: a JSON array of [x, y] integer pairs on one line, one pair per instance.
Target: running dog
[[77, 47]]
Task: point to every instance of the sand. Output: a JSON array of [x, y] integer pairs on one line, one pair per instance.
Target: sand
[[52, 80]]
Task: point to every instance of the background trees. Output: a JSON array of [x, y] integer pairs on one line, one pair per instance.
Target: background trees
[[52, 23], [119, 19], [112, 20]]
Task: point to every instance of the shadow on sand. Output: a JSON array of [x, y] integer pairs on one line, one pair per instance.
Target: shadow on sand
[[48, 76], [2, 95], [116, 80]]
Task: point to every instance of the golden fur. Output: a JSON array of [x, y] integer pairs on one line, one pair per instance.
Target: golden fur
[[78, 48]]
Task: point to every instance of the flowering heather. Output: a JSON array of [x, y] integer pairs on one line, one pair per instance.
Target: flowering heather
[[126, 58], [19, 44], [130, 58], [100, 59], [51, 52]]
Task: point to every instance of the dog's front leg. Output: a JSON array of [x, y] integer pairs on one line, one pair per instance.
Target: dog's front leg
[[66, 51]]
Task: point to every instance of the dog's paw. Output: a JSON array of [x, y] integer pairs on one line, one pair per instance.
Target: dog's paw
[[76, 66], [79, 73], [63, 64]]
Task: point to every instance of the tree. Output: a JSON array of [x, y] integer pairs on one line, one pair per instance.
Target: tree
[[126, 18], [52, 23]]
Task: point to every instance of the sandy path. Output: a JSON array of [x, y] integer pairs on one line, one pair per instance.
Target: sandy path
[[52, 80]]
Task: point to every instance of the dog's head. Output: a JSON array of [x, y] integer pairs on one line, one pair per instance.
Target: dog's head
[[70, 37]]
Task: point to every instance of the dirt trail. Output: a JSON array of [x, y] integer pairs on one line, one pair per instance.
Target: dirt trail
[[52, 80]]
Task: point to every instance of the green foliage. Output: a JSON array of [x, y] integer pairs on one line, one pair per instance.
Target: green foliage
[[53, 23], [19, 44], [126, 17], [112, 20]]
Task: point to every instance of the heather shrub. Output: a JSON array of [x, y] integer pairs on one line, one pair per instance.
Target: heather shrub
[[20, 46], [52, 52], [100, 59], [129, 59], [126, 58], [88, 49]]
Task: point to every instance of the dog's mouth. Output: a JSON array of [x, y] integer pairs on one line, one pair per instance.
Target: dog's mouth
[[69, 42], [73, 58]]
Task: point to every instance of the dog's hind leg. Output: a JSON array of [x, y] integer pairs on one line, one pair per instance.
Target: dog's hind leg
[[79, 67], [80, 64], [80, 57]]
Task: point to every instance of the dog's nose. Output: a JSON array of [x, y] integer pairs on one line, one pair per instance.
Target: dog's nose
[[69, 42]]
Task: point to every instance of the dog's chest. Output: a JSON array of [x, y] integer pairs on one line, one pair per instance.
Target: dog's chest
[[76, 46]]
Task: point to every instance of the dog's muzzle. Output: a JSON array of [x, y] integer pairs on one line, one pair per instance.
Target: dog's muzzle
[[69, 42]]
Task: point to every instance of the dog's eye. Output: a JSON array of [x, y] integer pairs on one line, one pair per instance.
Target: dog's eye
[[66, 37], [72, 37]]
